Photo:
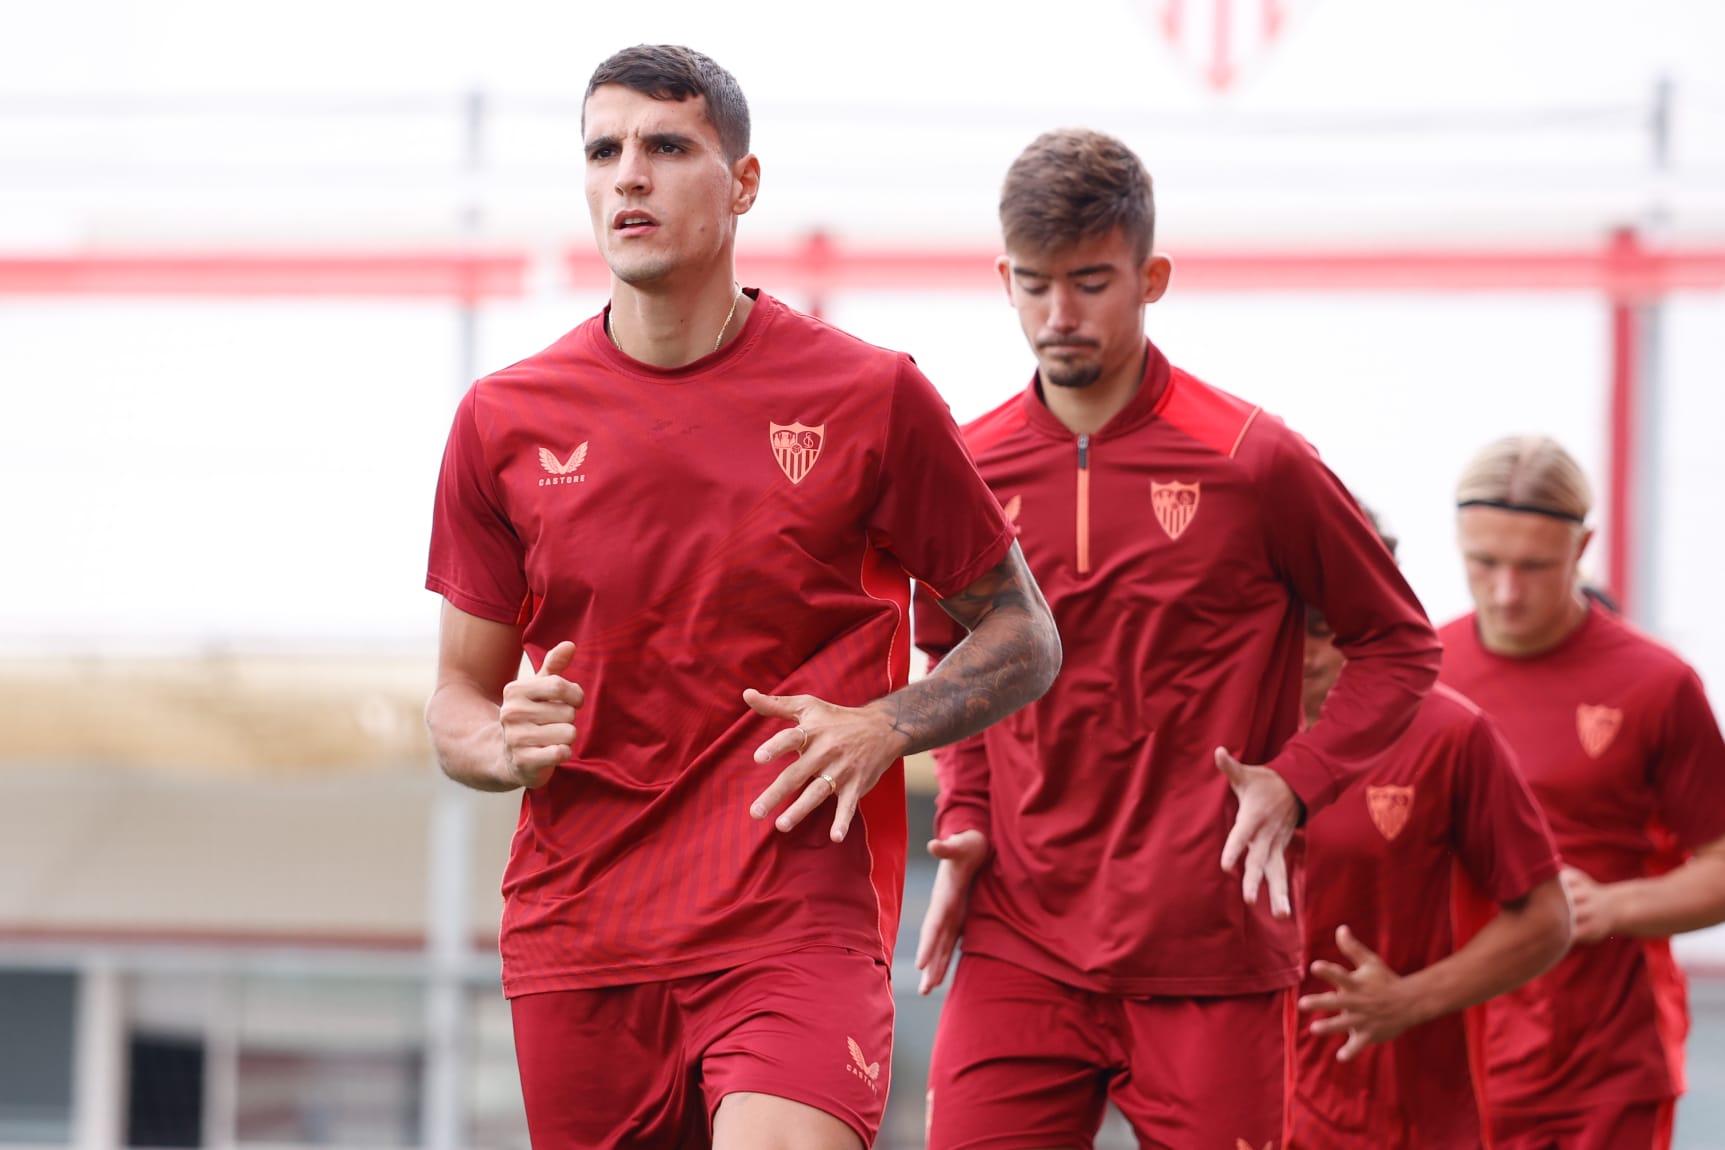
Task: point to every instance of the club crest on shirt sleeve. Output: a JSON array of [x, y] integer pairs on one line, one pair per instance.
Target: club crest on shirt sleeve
[[1175, 504], [1597, 726], [796, 446], [1390, 808]]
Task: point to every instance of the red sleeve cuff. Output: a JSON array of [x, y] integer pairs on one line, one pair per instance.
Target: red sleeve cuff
[[961, 817], [473, 605], [1311, 782], [982, 565]]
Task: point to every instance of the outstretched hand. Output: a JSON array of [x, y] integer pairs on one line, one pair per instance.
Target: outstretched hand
[[1369, 1002], [1269, 814], [961, 855], [841, 754]]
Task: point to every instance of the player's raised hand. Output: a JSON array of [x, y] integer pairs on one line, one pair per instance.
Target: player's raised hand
[[841, 752], [1370, 1002], [1269, 814], [538, 716], [961, 856]]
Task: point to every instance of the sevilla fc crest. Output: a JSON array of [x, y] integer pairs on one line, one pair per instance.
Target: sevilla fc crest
[[1390, 807], [796, 447], [1175, 504], [1597, 726]]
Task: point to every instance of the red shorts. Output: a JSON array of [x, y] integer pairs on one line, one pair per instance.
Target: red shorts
[[645, 1066], [1611, 1126], [1024, 1061], [1389, 1128]]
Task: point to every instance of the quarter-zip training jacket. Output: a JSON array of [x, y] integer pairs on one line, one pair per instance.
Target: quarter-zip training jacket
[[1178, 548]]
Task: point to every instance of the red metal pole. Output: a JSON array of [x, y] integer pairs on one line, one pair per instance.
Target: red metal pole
[[1221, 63], [1625, 401], [818, 259]]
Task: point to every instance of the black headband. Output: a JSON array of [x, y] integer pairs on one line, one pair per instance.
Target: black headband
[[1523, 507]]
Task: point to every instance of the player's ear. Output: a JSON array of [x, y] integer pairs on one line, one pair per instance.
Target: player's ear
[[1581, 544], [1003, 265], [745, 183], [1158, 269]]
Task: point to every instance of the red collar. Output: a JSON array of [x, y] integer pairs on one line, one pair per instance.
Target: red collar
[[1146, 403]]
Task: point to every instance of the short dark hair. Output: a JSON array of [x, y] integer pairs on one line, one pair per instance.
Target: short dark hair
[[1073, 185], [673, 72]]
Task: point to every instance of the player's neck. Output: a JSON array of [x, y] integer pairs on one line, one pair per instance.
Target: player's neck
[[1087, 410], [669, 326]]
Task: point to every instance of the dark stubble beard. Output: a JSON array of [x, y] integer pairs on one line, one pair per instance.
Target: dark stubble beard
[[1071, 375]]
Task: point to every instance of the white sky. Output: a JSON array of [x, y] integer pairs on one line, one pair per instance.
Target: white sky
[[188, 471]]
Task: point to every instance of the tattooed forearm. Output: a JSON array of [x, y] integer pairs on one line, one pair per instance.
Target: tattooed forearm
[[1009, 659]]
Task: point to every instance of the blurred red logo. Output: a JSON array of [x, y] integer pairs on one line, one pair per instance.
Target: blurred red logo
[[1597, 727], [1220, 39], [1390, 807]]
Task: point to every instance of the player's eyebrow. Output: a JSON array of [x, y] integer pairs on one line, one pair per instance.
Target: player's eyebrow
[[655, 139], [1077, 273], [652, 140]]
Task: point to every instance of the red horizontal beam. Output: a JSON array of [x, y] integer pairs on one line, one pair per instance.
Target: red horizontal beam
[[819, 266], [1617, 270], [460, 275]]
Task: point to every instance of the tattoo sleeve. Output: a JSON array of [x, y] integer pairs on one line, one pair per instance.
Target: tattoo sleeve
[[1009, 659]]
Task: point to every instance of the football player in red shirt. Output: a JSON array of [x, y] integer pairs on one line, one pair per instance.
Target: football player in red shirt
[[696, 513], [1440, 834], [1092, 845], [1614, 735]]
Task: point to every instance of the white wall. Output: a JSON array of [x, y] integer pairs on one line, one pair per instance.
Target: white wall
[[190, 470]]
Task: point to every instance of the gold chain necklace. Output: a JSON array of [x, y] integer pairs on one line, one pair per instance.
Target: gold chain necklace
[[611, 331]]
